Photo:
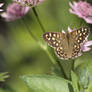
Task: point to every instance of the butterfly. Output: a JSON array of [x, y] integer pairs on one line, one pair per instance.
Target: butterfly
[[67, 45]]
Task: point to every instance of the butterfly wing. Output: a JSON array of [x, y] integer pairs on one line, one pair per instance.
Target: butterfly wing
[[54, 39], [77, 38], [58, 41]]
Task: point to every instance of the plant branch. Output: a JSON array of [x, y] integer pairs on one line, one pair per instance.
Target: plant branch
[[62, 70], [38, 19]]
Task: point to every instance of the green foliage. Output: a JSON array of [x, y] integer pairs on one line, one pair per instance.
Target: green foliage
[[3, 76], [46, 83], [74, 82], [85, 78]]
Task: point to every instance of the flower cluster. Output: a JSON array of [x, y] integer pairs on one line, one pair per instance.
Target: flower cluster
[[82, 9], [14, 11], [30, 3]]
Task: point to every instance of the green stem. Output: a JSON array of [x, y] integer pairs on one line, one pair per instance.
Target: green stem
[[38, 19], [46, 50], [73, 65], [62, 70], [40, 44], [58, 62], [50, 56]]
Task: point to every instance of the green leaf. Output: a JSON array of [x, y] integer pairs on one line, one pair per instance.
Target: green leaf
[[74, 81], [84, 78], [46, 83], [3, 76]]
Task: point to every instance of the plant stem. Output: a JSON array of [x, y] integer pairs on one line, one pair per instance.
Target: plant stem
[[38, 19], [40, 44], [46, 50], [62, 70], [73, 65], [58, 62], [50, 56]]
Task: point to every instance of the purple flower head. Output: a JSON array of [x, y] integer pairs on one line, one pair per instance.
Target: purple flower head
[[83, 46], [1, 4], [30, 3], [14, 11], [82, 9]]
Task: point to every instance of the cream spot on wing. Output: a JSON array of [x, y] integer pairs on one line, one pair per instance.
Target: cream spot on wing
[[54, 35], [75, 46], [53, 38], [58, 49], [78, 41], [57, 44], [54, 42], [79, 31], [84, 33], [85, 29], [48, 38], [50, 34], [61, 48], [80, 38], [82, 29], [80, 34], [78, 46]]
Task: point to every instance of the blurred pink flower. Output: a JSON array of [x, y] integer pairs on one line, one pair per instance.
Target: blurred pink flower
[[14, 11], [30, 3], [85, 45], [1, 4], [82, 9]]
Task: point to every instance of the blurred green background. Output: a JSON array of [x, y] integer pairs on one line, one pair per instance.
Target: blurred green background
[[20, 54]]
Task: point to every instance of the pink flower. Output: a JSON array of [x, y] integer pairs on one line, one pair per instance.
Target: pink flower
[[82, 9], [30, 3], [1, 4], [83, 46], [14, 11]]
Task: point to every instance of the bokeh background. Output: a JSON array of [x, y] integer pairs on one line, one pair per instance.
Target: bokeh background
[[20, 54]]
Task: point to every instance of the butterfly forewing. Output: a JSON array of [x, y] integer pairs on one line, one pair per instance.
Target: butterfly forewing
[[54, 39]]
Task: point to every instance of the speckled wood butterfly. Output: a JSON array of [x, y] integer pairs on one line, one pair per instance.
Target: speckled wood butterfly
[[67, 45]]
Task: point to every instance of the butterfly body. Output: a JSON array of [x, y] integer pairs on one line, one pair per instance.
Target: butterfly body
[[67, 45]]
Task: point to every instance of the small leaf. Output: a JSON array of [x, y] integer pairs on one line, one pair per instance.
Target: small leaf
[[84, 78], [74, 81], [46, 83], [3, 76]]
